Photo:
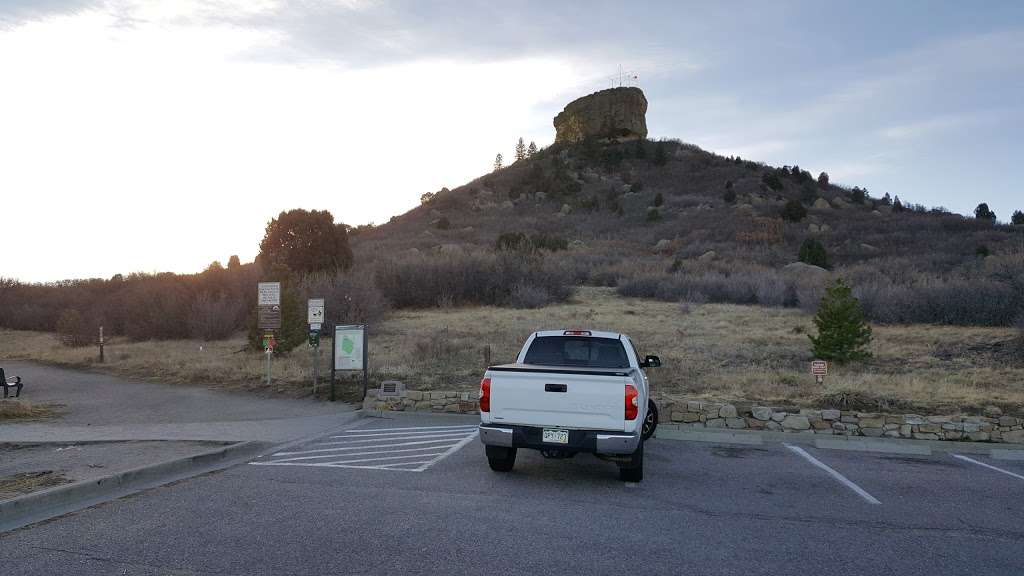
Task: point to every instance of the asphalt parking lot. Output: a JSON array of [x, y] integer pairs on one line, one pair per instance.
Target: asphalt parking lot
[[703, 508]]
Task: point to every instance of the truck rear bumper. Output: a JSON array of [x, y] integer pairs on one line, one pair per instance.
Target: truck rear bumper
[[595, 441]]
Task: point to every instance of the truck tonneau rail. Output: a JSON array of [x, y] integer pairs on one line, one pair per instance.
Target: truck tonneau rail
[[583, 370]]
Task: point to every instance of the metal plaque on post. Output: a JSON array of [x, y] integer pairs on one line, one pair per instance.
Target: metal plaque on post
[[268, 313]]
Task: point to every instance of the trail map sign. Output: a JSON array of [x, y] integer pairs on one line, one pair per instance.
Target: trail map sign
[[349, 347], [349, 352]]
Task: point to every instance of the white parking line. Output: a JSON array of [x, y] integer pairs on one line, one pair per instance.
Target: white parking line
[[409, 434], [360, 447], [459, 427], [989, 466], [379, 449], [839, 477], [390, 438]]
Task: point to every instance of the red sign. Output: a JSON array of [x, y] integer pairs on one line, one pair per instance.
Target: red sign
[[819, 368]]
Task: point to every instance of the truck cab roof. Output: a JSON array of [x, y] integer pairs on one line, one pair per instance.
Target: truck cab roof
[[582, 333]]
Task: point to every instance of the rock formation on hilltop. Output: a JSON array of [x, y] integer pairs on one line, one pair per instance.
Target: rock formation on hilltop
[[616, 113]]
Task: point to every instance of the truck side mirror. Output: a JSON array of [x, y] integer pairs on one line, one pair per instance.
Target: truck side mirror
[[651, 362]]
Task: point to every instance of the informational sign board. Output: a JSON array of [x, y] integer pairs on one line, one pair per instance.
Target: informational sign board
[[268, 317], [316, 311], [269, 293], [349, 347], [819, 368]]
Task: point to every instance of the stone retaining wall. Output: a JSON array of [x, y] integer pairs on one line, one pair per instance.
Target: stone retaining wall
[[450, 401], [994, 426]]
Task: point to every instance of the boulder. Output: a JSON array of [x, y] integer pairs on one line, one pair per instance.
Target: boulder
[[566, 209], [796, 422], [663, 245], [821, 204], [709, 255], [727, 411], [616, 114], [761, 412]]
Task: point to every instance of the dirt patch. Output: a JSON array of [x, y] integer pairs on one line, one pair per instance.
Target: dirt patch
[[26, 482], [11, 410]]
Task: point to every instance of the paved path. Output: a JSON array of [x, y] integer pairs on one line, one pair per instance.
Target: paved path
[[102, 407], [703, 508]]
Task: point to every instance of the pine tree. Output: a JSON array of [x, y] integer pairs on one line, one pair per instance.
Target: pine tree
[[813, 252], [843, 334], [1018, 218], [660, 154], [498, 162], [659, 199], [897, 206], [520, 150], [531, 150]]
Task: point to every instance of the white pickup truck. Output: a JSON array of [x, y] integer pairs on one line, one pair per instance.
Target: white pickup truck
[[570, 391]]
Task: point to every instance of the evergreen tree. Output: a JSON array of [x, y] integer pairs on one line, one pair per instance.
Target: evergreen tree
[[1018, 218], [520, 150], [531, 149], [659, 199], [823, 179], [813, 252], [982, 212], [729, 196], [897, 206], [843, 334], [794, 211], [498, 162]]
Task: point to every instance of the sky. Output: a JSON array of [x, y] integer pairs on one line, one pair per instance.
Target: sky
[[140, 136]]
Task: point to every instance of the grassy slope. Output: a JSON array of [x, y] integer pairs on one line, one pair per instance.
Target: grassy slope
[[713, 351]]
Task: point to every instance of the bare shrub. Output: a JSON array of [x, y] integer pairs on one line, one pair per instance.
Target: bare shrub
[[214, 318], [529, 297], [770, 290], [349, 297], [73, 330], [419, 281]]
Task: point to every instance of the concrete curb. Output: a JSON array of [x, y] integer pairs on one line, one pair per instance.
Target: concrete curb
[[854, 443], [60, 500]]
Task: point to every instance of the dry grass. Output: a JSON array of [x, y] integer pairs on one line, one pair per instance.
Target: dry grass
[[11, 409], [713, 351], [26, 482]]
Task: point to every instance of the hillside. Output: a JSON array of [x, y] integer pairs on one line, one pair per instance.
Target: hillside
[[602, 200]]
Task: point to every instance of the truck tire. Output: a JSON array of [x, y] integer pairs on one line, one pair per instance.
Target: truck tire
[[634, 470], [500, 458], [651, 421]]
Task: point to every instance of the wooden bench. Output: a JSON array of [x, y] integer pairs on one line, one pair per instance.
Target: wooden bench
[[10, 383]]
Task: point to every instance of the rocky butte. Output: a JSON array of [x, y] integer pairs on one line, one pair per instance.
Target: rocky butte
[[614, 114]]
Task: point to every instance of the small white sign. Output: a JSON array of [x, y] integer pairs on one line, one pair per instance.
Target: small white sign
[[269, 293], [314, 327], [316, 310], [349, 344]]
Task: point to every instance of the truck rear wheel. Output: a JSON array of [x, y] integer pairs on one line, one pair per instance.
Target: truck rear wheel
[[651, 421], [634, 470], [500, 458]]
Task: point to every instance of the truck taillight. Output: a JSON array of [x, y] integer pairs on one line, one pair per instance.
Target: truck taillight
[[632, 401], [485, 395]]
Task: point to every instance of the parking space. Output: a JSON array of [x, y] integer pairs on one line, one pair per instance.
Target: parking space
[[346, 503]]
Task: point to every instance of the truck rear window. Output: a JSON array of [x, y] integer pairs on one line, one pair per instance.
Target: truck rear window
[[577, 351]]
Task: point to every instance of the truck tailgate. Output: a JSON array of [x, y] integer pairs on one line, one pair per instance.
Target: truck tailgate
[[558, 397]]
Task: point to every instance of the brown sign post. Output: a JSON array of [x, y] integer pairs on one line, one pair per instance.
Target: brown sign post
[[268, 316], [819, 369]]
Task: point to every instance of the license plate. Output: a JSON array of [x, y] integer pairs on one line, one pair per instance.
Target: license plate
[[555, 436]]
